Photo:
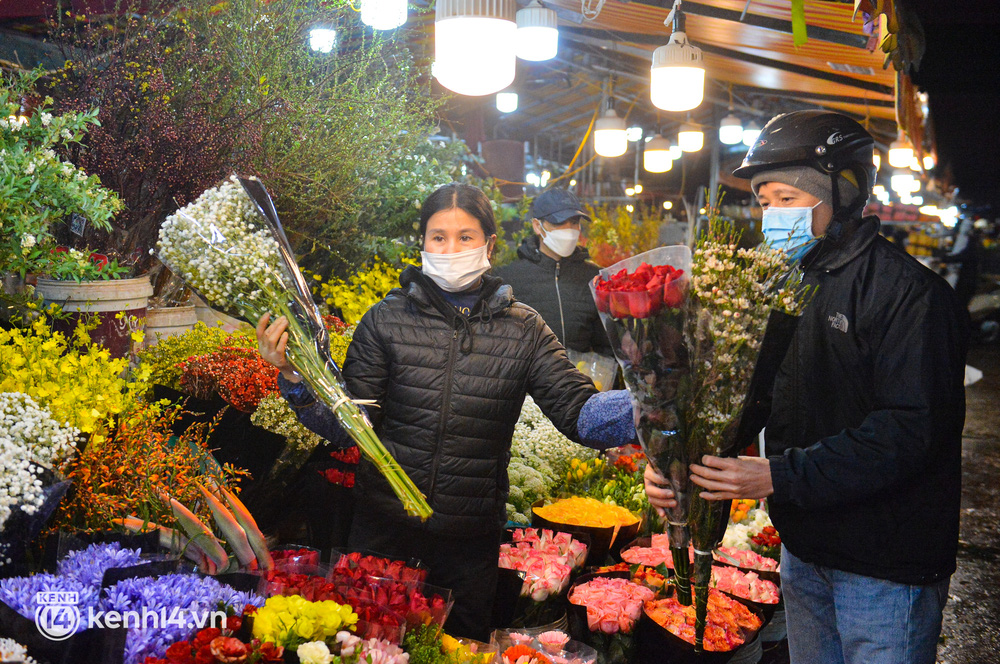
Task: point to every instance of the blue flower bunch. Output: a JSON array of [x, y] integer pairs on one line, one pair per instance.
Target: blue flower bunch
[[88, 565]]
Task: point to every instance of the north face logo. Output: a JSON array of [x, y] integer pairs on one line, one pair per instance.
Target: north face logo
[[838, 322]]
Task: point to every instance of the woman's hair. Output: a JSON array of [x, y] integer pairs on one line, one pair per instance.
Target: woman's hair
[[463, 196]]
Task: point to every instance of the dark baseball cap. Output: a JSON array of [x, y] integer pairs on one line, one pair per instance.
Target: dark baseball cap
[[557, 206]]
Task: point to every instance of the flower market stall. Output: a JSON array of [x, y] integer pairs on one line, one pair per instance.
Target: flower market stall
[[162, 503]]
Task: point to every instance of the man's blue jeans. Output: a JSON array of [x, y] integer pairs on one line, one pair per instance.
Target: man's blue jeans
[[836, 617]]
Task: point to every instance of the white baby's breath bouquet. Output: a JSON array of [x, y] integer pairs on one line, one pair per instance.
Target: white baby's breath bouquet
[[30, 442], [229, 246]]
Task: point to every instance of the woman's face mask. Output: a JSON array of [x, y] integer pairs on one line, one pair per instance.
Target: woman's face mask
[[456, 272], [789, 229], [451, 257]]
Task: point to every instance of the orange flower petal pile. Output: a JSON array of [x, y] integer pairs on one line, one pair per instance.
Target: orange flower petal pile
[[726, 624]]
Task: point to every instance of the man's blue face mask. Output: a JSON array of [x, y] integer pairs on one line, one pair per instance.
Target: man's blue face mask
[[789, 229]]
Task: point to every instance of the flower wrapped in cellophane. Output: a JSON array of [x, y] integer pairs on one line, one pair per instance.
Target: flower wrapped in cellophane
[[230, 247], [699, 339], [641, 303], [742, 312]]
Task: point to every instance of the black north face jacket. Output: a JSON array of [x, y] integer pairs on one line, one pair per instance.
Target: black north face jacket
[[865, 431]]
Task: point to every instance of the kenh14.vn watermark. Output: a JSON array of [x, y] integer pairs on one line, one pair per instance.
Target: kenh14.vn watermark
[[58, 617]]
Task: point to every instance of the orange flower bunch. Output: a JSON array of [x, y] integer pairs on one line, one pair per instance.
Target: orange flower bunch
[[522, 654], [127, 474], [239, 375]]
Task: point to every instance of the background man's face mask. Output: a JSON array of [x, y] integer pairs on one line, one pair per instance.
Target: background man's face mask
[[456, 272], [562, 241], [789, 229]]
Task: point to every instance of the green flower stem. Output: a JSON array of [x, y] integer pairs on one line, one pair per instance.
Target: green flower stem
[[304, 357], [702, 579]]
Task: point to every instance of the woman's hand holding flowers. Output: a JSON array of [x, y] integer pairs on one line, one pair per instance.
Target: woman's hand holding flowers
[[272, 340]]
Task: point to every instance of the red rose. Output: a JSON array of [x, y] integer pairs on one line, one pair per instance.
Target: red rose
[[204, 655], [179, 653], [271, 653], [205, 636], [228, 650], [234, 623]]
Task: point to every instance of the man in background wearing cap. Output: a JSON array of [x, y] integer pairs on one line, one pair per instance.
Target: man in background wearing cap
[[552, 273], [864, 438]]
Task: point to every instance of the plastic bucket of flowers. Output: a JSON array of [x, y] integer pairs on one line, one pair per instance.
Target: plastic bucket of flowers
[[651, 551], [365, 561], [604, 608], [747, 587], [666, 631], [600, 538]]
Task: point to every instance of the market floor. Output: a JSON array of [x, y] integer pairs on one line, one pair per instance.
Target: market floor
[[971, 630]]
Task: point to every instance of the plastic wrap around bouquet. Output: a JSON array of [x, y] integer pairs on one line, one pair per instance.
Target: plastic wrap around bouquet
[[700, 339], [641, 303], [229, 246]]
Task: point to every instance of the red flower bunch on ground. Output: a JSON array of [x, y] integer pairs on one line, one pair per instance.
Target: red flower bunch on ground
[[630, 463], [767, 537], [642, 293], [295, 556], [368, 565], [335, 476], [351, 455], [314, 588], [386, 594], [238, 375], [212, 646]]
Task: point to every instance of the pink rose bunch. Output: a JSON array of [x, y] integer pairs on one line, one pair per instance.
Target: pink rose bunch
[[747, 585], [545, 557], [750, 559], [658, 552], [613, 605]]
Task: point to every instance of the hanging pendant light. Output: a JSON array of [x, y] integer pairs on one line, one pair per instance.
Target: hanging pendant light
[[507, 102], [691, 138], [656, 157], [383, 14], [677, 75], [877, 159], [474, 45], [730, 130], [609, 135], [902, 181], [751, 133], [537, 34], [900, 152], [323, 40]]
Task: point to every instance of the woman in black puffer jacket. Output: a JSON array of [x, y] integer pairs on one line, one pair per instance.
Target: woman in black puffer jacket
[[449, 357]]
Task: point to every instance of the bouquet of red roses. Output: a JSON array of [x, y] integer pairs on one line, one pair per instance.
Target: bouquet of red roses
[[641, 302]]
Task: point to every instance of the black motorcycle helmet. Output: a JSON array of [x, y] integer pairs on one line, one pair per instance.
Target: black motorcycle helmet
[[826, 141]]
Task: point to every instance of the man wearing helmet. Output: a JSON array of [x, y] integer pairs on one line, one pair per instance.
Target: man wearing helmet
[[863, 473]]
